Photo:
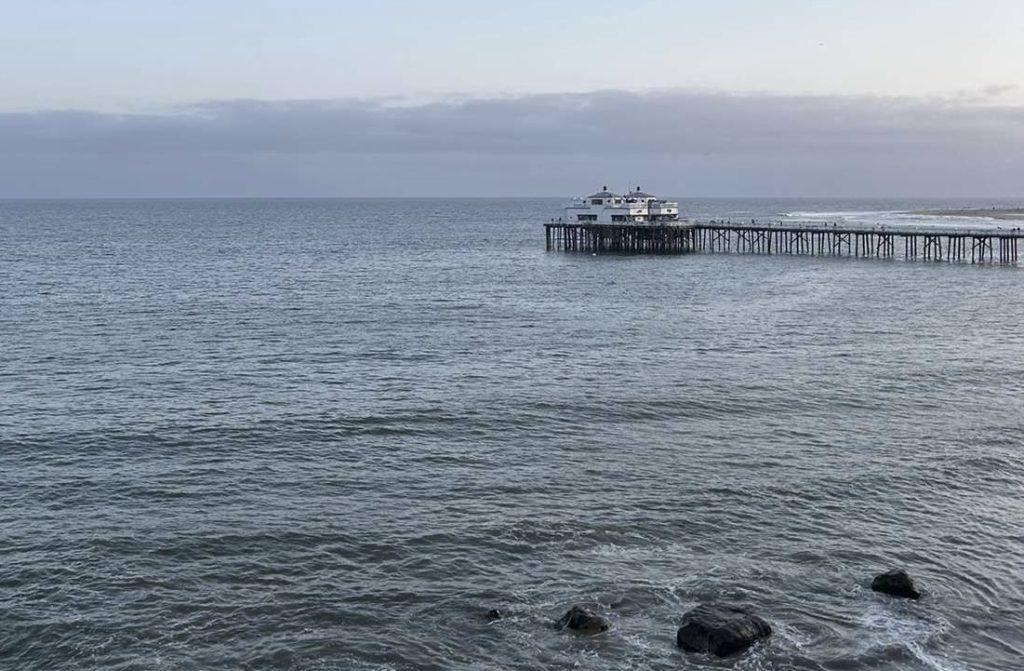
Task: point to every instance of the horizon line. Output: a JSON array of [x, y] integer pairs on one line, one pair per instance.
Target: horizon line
[[506, 197]]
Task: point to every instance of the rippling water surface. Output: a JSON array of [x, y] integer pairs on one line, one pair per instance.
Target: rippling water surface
[[332, 434]]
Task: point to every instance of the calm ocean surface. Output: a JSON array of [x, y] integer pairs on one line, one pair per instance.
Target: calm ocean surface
[[331, 434]]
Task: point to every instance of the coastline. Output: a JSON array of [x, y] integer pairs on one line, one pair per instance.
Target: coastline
[[1014, 214]]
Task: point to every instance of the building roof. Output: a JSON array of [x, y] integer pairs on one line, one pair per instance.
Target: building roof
[[640, 194], [605, 193]]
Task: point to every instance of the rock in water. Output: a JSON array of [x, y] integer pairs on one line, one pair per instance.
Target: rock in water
[[895, 583], [582, 621], [494, 614], [720, 629]]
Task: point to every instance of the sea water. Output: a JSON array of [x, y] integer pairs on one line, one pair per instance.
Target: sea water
[[332, 434]]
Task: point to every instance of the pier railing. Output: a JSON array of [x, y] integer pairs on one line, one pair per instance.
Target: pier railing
[[931, 243]]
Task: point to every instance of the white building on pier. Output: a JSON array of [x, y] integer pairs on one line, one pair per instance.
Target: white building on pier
[[605, 207]]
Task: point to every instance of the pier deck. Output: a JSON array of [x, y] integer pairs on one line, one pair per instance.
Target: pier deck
[[930, 243]]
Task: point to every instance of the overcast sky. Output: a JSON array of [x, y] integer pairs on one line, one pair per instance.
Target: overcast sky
[[233, 97]]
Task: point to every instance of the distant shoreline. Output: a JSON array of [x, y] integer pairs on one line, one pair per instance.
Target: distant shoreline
[[1014, 214]]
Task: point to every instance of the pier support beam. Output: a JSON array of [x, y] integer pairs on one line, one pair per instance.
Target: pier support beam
[[986, 246]]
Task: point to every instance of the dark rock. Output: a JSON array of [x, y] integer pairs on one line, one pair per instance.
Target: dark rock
[[494, 614], [582, 621], [895, 583], [720, 629]]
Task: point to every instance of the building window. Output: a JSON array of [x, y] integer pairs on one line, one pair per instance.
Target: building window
[[618, 217], [596, 201], [586, 217]]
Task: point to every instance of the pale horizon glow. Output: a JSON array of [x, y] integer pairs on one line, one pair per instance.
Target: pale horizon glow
[[118, 55]]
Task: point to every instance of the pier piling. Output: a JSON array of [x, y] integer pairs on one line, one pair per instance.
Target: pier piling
[[994, 246]]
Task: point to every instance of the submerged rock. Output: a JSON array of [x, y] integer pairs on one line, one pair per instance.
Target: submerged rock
[[494, 614], [895, 583], [720, 629], [582, 621]]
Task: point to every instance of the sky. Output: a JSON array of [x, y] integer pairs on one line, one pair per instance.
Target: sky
[[313, 98]]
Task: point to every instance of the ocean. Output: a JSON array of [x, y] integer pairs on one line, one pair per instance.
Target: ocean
[[333, 434]]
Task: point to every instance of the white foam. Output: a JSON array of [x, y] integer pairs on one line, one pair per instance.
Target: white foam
[[933, 661], [910, 633], [847, 213], [900, 216]]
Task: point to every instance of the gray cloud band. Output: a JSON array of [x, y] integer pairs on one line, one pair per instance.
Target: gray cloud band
[[601, 123]]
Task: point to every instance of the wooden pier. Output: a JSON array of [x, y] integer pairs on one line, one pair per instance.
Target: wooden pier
[[961, 245]]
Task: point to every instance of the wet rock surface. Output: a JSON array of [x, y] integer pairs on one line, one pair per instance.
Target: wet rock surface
[[895, 582], [582, 621], [721, 629]]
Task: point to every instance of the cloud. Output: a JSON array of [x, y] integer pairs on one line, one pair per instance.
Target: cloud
[[582, 123], [985, 95], [750, 142]]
